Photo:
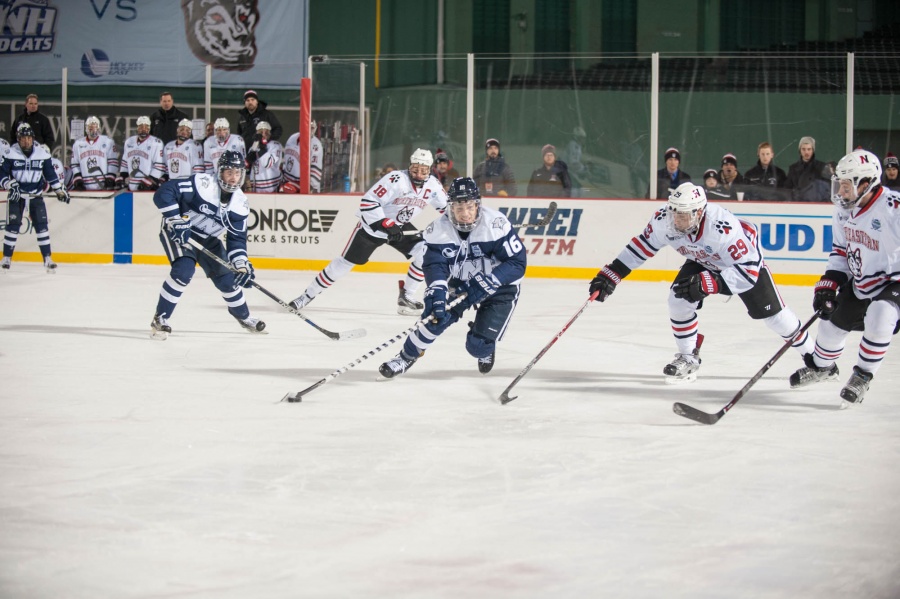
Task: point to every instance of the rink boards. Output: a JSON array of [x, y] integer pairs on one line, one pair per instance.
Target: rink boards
[[306, 232]]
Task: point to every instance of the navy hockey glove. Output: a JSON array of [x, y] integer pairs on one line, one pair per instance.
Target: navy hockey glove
[[698, 286], [245, 273], [605, 283], [393, 230], [62, 195], [14, 194], [476, 289], [825, 297], [435, 304], [78, 184], [178, 229]]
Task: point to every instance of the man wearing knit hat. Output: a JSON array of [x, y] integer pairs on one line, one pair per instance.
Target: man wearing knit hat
[[891, 177], [251, 114], [493, 176], [808, 179], [729, 178], [671, 176], [551, 179]]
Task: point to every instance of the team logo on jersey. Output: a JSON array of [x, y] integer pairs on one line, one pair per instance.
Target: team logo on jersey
[[876, 224], [723, 227], [476, 250], [854, 261], [405, 215], [222, 33], [448, 252], [708, 249], [498, 223], [394, 178], [27, 26]]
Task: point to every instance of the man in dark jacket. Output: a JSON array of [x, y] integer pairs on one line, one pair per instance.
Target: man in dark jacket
[[493, 176], [551, 179], [40, 124], [765, 180], [671, 176], [251, 114], [164, 122], [808, 179]]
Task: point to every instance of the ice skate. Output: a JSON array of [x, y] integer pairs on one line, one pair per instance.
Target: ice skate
[[396, 366], [159, 328], [683, 369], [5, 263], [406, 305], [855, 390], [50, 265], [301, 302], [813, 374], [486, 364], [254, 325]]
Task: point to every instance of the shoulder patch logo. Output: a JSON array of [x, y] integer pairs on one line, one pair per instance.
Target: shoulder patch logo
[[448, 252], [498, 223]]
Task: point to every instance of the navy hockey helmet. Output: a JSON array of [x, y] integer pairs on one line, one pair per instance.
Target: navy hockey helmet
[[463, 196], [25, 138], [228, 161], [24, 130]]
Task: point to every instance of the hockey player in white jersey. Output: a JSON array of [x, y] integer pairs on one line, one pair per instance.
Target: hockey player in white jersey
[[4, 148], [291, 163], [95, 159], [471, 250], [385, 212], [222, 141], [723, 256], [62, 173], [142, 165], [25, 173], [183, 156], [264, 160], [203, 207], [860, 290]]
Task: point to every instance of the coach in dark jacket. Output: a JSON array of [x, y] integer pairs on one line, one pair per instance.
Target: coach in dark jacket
[[493, 176], [164, 122], [251, 114], [43, 132]]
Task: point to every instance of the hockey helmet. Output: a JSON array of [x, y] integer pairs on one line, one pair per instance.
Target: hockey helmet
[[143, 127], [463, 196], [229, 161], [185, 128], [222, 128], [685, 209], [25, 138], [856, 168], [420, 166], [92, 127], [24, 130]]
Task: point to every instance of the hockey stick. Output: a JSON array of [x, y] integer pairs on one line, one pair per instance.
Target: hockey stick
[[297, 397], [705, 418], [551, 212], [355, 333], [504, 397], [97, 197]]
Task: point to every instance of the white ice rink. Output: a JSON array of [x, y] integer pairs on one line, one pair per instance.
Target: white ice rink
[[132, 468]]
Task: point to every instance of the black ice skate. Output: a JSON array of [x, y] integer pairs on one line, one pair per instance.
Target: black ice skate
[[855, 390], [159, 328], [813, 374], [301, 302], [486, 364], [406, 305], [396, 366], [50, 265], [254, 325], [683, 369]]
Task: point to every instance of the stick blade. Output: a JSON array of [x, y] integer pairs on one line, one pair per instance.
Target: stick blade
[[354, 334], [505, 398], [694, 414], [291, 398]]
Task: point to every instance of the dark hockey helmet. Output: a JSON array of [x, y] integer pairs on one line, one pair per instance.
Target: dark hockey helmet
[[463, 197], [24, 130], [25, 138], [230, 160]]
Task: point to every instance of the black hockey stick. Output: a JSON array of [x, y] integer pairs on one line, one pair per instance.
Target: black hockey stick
[[88, 196], [298, 396], [705, 418], [355, 333], [551, 212], [504, 397]]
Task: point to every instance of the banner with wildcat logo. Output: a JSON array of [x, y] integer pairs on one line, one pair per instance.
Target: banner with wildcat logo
[[166, 42]]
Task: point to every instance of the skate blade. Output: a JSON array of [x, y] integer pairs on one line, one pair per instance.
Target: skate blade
[[408, 311], [676, 380], [159, 335]]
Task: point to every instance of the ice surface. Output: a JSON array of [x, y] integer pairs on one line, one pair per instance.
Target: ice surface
[[138, 468]]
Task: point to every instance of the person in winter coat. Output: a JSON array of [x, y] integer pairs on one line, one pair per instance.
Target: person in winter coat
[[551, 179], [164, 122], [493, 176], [670, 176], [251, 114], [808, 179], [765, 179], [891, 177]]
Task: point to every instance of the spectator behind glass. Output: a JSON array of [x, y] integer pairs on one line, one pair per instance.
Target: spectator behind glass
[[765, 179], [164, 122], [729, 178], [713, 186], [891, 177], [808, 179], [669, 177], [443, 169], [251, 114], [493, 176], [551, 179], [40, 124]]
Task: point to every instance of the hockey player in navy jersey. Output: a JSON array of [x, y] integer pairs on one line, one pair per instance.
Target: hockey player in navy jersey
[[723, 256], [471, 250], [203, 207], [860, 290], [26, 172]]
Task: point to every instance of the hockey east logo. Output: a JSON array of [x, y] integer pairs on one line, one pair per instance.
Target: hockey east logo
[[95, 63], [27, 26], [281, 226], [556, 238]]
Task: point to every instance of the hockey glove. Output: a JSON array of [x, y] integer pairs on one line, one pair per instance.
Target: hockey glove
[[245, 273], [477, 288], [605, 282], [62, 195], [179, 229], [121, 183], [15, 193], [435, 304], [696, 287], [110, 182], [78, 184], [393, 230], [150, 184], [825, 297]]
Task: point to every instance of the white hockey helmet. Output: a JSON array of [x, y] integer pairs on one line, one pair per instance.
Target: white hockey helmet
[[182, 134], [313, 126], [263, 125], [856, 168], [92, 127], [223, 125], [685, 210], [143, 121], [423, 158]]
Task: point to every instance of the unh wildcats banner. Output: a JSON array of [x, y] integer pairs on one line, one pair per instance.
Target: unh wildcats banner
[[167, 42]]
